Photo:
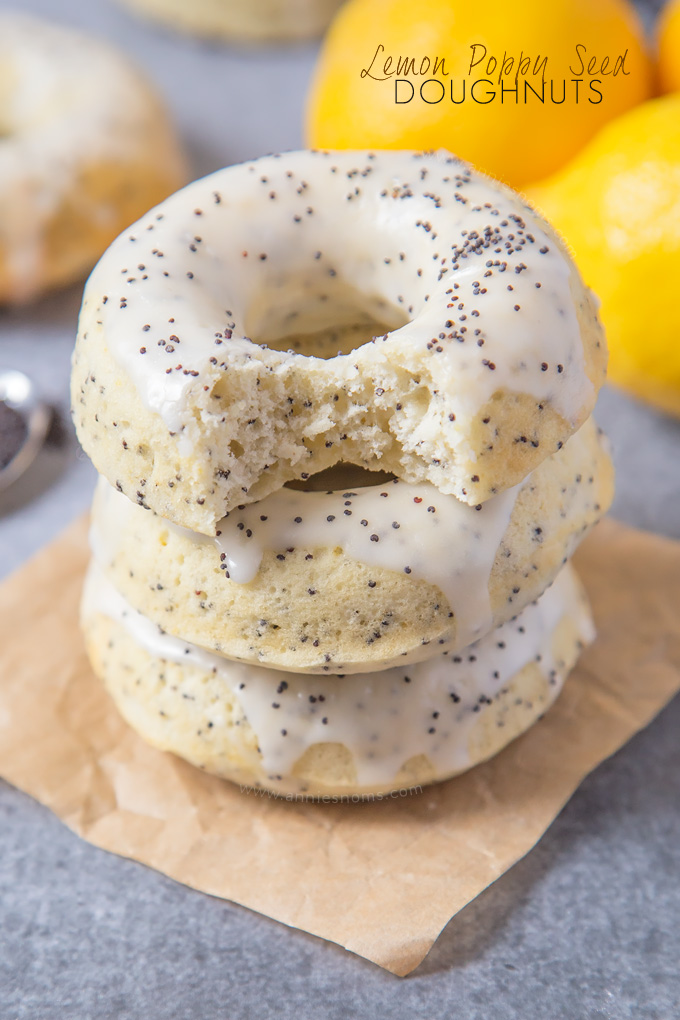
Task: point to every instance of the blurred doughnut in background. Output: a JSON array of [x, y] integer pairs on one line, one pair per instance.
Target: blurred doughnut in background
[[87, 147], [246, 21]]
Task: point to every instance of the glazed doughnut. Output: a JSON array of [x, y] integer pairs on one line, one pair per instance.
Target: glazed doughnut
[[364, 733], [394, 310], [86, 148], [359, 578], [253, 21]]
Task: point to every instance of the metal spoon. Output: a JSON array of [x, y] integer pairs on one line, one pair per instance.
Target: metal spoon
[[19, 394]]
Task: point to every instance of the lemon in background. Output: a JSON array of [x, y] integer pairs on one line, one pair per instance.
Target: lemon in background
[[516, 141], [668, 35], [618, 207]]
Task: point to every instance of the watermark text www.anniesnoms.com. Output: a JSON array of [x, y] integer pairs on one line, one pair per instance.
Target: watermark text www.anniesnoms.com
[[332, 798], [504, 78]]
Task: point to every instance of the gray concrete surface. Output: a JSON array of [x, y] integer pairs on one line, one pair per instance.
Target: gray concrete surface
[[584, 927]]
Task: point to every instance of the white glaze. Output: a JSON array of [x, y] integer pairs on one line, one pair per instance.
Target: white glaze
[[390, 235], [383, 718], [66, 101], [438, 538]]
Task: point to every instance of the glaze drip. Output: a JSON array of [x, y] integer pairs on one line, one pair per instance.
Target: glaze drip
[[409, 528], [398, 526], [429, 708]]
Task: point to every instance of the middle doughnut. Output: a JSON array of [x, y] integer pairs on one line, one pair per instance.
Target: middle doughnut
[[355, 579]]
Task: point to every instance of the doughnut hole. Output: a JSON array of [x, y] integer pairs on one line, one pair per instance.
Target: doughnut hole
[[340, 476], [330, 341], [318, 320]]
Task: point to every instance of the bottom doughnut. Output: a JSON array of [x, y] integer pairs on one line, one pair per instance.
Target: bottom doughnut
[[360, 734]]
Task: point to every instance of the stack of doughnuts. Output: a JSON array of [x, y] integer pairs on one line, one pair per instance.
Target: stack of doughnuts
[[340, 405]]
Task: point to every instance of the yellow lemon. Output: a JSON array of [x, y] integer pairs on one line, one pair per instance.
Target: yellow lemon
[[668, 34], [517, 89], [618, 207]]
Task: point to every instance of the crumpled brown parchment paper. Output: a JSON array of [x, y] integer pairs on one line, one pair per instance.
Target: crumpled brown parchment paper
[[381, 879]]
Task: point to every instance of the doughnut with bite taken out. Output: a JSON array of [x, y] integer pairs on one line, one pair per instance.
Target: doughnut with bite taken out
[[395, 310]]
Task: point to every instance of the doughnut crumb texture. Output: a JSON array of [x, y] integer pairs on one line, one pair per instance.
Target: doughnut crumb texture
[[398, 311]]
